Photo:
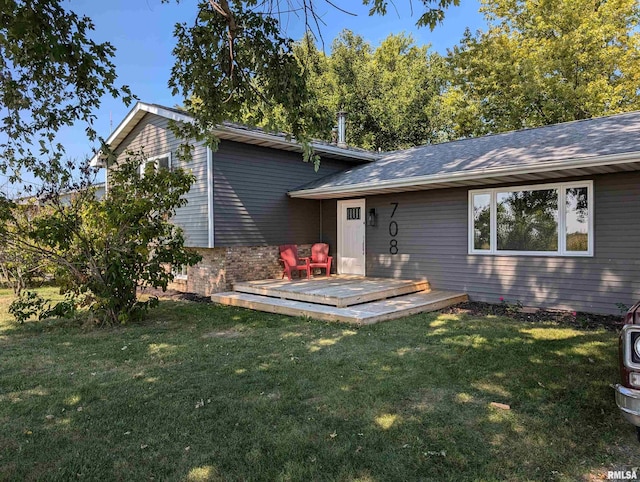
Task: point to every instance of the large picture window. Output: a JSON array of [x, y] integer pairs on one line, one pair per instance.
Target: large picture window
[[549, 219]]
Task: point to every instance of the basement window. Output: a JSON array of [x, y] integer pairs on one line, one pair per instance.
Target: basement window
[[156, 163], [540, 220], [179, 272]]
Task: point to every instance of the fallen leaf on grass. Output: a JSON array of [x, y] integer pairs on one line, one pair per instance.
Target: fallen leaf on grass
[[143, 446], [442, 453], [334, 434], [49, 417], [502, 406]]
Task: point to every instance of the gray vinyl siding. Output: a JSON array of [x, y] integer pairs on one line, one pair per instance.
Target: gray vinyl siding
[[153, 136], [432, 243], [251, 205], [330, 224]]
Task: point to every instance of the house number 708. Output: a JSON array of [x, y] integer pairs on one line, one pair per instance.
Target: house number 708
[[393, 232]]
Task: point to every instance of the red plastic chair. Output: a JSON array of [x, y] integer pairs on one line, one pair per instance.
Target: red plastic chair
[[291, 262], [320, 257]]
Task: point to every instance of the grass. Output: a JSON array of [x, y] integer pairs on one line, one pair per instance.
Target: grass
[[203, 392]]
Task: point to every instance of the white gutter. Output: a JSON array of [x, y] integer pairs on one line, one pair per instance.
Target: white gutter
[[411, 182], [222, 132]]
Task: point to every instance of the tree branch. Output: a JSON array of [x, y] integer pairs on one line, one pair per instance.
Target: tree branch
[[222, 7]]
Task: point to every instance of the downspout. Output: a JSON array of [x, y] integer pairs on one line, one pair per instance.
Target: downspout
[[210, 200]]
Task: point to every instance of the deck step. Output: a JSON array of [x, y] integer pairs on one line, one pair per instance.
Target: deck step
[[335, 291], [362, 314]]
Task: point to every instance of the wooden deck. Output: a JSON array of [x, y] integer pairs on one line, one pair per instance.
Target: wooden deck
[[339, 291], [351, 299]]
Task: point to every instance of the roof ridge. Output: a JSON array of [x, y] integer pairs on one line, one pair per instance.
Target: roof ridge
[[514, 131]]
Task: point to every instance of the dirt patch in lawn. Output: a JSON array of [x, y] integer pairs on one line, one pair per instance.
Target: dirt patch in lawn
[[175, 295], [578, 319]]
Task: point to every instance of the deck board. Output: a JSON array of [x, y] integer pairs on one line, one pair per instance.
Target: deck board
[[338, 291], [362, 314]]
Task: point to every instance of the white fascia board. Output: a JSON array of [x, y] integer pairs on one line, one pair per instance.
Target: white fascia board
[[169, 114], [135, 113], [401, 184], [222, 131]]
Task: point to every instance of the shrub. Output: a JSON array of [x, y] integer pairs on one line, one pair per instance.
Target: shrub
[[104, 249]]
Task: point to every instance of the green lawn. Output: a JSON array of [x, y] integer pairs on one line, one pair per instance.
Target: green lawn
[[203, 392]]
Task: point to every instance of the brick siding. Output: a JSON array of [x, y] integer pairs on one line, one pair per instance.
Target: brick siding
[[220, 268]]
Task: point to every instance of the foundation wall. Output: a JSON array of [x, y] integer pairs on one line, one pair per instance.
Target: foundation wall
[[220, 268]]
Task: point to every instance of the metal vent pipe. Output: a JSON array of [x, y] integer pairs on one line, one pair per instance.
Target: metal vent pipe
[[342, 127]]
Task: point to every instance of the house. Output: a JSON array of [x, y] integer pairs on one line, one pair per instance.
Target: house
[[238, 210], [543, 216]]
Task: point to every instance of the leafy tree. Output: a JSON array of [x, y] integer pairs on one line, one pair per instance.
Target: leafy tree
[[236, 58], [105, 249], [391, 94], [52, 75], [528, 220], [20, 269], [544, 62], [431, 17]]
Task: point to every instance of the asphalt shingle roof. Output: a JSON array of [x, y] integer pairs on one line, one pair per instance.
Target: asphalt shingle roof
[[585, 139]]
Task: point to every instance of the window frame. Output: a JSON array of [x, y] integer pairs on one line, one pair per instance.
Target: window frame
[[561, 187], [180, 272], [154, 159]]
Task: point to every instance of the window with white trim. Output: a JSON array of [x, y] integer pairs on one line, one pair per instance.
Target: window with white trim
[[156, 163], [179, 272], [542, 220]]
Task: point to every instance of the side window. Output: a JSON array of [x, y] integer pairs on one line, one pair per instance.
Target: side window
[[155, 163]]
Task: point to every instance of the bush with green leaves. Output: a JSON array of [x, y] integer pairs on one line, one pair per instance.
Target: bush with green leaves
[[30, 304], [105, 249], [27, 305]]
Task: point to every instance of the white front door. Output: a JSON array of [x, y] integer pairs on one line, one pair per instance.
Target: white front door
[[351, 231]]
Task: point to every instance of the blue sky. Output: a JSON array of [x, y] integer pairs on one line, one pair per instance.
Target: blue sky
[[142, 32]]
